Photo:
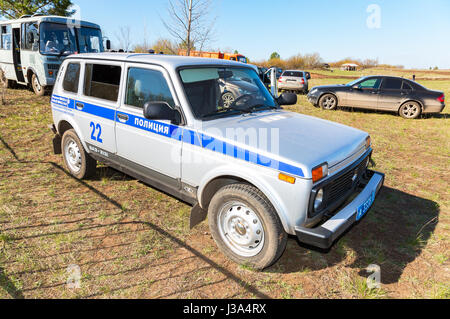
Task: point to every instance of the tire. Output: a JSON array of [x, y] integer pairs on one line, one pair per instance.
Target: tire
[[246, 227], [79, 163], [228, 99], [410, 110], [38, 89], [328, 102]]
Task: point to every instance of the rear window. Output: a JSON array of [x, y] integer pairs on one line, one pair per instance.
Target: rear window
[[293, 73], [392, 84], [102, 81], [72, 78]]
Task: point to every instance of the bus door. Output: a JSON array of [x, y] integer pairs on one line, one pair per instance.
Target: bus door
[[16, 55]]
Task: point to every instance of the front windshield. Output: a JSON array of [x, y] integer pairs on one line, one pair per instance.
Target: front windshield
[[222, 91], [90, 40], [57, 39]]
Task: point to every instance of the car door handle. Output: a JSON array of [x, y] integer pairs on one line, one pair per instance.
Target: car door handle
[[122, 117], [79, 106]]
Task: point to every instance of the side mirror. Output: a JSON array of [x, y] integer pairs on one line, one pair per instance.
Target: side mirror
[[308, 76], [108, 44], [161, 111], [287, 99]]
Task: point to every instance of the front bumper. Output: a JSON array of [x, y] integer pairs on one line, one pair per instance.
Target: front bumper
[[313, 99], [325, 235]]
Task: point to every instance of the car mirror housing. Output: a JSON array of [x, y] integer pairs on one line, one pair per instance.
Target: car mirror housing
[[287, 99], [161, 111]]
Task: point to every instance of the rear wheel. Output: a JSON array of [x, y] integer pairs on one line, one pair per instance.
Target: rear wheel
[[77, 160], [328, 102], [38, 89], [246, 227], [410, 110]]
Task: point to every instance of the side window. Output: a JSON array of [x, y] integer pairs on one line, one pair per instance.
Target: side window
[[30, 36], [102, 81], [407, 87], [72, 78], [146, 86], [392, 84], [6, 37], [370, 84]]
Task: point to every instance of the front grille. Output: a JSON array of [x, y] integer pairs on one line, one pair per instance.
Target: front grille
[[338, 189], [53, 66], [342, 185]]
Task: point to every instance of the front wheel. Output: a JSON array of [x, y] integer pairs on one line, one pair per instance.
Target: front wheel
[[410, 110], [328, 102], [38, 89], [79, 163], [246, 227]]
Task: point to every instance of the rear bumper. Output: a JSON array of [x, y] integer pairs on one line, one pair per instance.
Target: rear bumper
[[326, 234], [293, 86], [434, 108]]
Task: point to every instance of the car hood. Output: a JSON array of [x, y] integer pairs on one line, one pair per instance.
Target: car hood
[[299, 140]]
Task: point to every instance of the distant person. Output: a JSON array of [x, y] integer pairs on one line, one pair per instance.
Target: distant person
[[52, 45], [414, 78]]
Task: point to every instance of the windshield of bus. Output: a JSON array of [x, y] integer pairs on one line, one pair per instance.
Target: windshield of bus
[[57, 39], [218, 91], [90, 40], [60, 39]]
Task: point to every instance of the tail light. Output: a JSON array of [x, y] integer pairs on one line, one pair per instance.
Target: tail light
[[441, 98], [303, 81], [280, 79]]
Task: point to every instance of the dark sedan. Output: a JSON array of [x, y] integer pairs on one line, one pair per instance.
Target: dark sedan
[[405, 97]]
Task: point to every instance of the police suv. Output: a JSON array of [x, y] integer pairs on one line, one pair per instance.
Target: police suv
[[256, 171]]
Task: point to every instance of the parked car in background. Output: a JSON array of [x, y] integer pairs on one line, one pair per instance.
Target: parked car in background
[[293, 80], [405, 97]]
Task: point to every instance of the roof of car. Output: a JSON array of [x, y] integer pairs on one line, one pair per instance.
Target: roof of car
[[167, 61]]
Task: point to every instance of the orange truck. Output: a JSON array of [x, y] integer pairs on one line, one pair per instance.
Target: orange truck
[[215, 55]]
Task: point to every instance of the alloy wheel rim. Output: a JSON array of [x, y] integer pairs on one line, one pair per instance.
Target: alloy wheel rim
[[241, 229], [227, 99], [329, 102], [410, 110]]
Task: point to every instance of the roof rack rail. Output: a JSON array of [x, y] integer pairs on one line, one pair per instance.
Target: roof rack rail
[[38, 15], [25, 16]]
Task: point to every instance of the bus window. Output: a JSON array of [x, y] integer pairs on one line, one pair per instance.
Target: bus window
[[57, 39], [90, 40], [6, 37], [31, 36]]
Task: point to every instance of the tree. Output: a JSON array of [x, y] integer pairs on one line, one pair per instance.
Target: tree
[[275, 56], [124, 38], [190, 24], [161, 45], [13, 9]]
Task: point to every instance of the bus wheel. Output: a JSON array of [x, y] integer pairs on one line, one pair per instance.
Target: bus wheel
[[38, 89]]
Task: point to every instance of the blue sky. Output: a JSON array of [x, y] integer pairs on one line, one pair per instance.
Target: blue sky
[[414, 33]]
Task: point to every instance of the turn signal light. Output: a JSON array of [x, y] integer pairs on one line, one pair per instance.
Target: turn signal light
[[368, 142], [319, 173], [286, 178]]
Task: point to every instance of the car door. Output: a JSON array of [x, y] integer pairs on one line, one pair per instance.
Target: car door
[[365, 94], [391, 94], [96, 107], [151, 148]]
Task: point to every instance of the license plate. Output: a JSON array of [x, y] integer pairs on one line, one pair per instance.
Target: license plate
[[364, 208]]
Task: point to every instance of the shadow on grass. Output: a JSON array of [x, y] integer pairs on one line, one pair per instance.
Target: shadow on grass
[[9, 286], [392, 236]]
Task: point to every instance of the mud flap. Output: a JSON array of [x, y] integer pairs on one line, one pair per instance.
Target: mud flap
[[56, 140], [198, 215]]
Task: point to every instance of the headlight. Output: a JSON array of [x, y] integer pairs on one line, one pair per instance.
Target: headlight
[[313, 91], [318, 201]]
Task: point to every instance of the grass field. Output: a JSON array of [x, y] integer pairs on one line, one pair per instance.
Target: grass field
[[130, 240]]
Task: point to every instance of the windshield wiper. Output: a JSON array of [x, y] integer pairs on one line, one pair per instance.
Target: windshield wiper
[[226, 111]]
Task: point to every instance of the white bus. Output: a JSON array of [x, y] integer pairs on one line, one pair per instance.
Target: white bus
[[33, 47]]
